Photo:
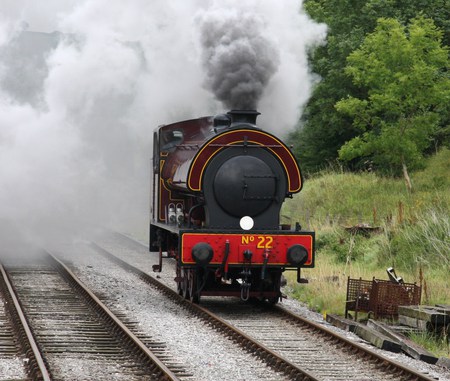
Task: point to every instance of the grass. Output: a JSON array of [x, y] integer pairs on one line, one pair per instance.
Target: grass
[[414, 234], [436, 343]]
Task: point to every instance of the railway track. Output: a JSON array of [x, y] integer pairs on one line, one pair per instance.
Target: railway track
[[66, 332], [319, 350], [11, 352], [207, 353], [301, 349]]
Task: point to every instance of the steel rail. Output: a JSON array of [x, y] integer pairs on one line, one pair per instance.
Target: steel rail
[[36, 365], [158, 366]]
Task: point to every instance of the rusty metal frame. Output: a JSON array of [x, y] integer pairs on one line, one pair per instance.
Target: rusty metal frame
[[379, 297]]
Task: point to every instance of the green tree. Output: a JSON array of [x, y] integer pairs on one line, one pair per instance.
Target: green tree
[[322, 130], [405, 72]]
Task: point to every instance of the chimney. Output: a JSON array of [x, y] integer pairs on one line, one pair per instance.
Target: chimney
[[243, 116]]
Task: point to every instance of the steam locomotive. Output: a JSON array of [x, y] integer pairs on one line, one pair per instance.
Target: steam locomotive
[[218, 187]]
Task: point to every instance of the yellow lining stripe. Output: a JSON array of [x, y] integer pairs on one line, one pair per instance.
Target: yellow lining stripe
[[239, 141]]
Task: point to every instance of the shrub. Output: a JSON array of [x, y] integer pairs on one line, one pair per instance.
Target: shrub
[[425, 243]]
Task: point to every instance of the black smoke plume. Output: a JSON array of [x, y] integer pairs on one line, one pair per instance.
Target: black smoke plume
[[238, 58]]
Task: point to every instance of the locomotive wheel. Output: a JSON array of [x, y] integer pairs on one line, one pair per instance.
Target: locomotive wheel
[[185, 283], [276, 278], [193, 293], [179, 283]]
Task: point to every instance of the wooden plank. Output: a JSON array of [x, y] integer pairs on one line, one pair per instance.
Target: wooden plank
[[444, 308], [376, 338], [404, 330], [341, 322], [444, 362], [412, 322], [408, 346], [424, 313]]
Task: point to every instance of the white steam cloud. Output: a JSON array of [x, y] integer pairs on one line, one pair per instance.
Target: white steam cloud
[[78, 107]]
